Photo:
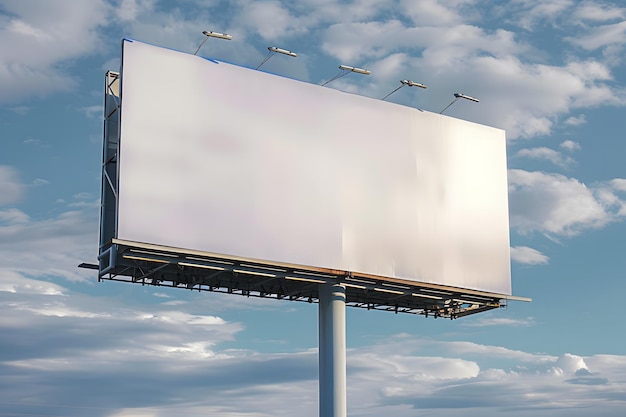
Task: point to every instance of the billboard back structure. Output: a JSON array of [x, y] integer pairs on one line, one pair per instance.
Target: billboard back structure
[[221, 177]]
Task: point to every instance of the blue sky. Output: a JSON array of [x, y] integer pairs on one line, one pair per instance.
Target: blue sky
[[551, 73]]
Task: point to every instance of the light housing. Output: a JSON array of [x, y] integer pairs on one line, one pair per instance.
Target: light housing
[[412, 84], [211, 34], [282, 51], [218, 35], [355, 69], [273, 50], [404, 83], [466, 97], [458, 96]]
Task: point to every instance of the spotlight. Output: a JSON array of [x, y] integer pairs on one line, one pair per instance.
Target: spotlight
[[458, 96], [210, 34], [345, 70], [404, 83], [273, 51]]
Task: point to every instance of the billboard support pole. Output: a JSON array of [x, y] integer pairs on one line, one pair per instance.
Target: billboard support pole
[[332, 350]]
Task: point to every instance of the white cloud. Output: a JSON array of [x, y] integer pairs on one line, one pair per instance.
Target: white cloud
[[132, 354], [129, 10], [413, 367], [161, 295], [530, 13], [570, 145], [92, 112], [354, 41], [13, 216], [500, 321], [555, 204], [451, 54], [575, 120], [11, 190], [13, 282], [434, 12], [271, 20], [602, 36], [490, 351], [609, 194], [447, 59], [39, 35], [325, 12], [618, 184], [547, 154], [49, 247], [597, 12], [537, 94], [390, 65], [569, 363], [528, 256]]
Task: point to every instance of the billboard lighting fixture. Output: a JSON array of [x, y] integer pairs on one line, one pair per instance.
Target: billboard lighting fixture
[[275, 50], [360, 287], [345, 70], [142, 258], [394, 285], [217, 268], [404, 83], [434, 297], [316, 281], [458, 96], [355, 69], [389, 291], [210, 34], [217, 261], [150, 252], [263, 274]]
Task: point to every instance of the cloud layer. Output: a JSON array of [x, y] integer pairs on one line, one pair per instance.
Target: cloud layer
[[160, 360]]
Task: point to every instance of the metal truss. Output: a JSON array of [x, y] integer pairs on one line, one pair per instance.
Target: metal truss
[[148, 264], [109, 158]]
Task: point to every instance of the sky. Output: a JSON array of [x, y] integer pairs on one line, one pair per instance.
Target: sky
[[550, 72]]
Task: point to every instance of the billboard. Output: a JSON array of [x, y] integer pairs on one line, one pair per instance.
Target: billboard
[[223, 159]]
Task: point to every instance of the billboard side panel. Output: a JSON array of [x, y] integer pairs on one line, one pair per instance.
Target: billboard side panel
[[220, 158]]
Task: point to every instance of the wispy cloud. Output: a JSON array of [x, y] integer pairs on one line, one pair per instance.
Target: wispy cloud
[[11, 190], [570, 145], [602, 36], [92, 112], [500, 321], [48, 247], [528, 256], [547, 154], [598, 12], [575, 120]]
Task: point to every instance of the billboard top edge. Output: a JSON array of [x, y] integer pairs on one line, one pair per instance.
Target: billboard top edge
[[219, 61]]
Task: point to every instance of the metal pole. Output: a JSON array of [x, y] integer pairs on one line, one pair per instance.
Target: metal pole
[[332, 350]]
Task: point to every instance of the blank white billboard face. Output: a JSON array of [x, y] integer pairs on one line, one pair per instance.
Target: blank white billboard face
[[228, 160]]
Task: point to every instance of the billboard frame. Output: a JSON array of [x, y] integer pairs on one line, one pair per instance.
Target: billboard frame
[[150, 264]]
